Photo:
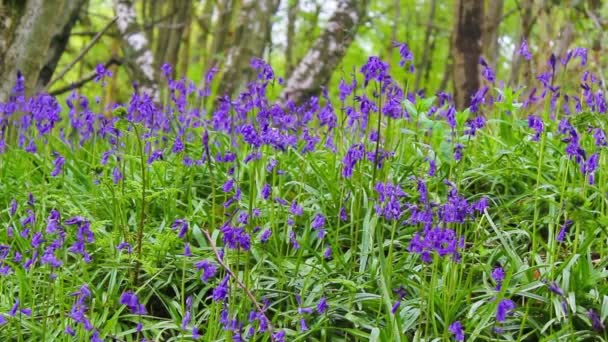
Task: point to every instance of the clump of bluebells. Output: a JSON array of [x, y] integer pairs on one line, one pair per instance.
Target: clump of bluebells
[[253, 201]]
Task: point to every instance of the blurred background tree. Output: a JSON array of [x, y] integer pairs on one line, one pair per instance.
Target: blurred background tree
[[57, 44]]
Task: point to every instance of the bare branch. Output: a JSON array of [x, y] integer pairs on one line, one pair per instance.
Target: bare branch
[[84, 80], [82, 53]]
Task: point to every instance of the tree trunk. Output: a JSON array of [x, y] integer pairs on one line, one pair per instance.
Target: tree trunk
[[292, 11], [527, 22], [138, 56], [466, 50], [60, 40], [171, 32], [424, 62], [493, 18], [27, 31], [315, 69], [221, 30], [249, 41]]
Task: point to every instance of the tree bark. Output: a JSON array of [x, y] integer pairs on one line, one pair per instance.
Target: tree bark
[[138, 56], [493, 17], [27, 31], [250, 38], [292, 11], [315, 69], [59, 42], [466, 50], [170, 34], [221, 29], [424, 62], [527, 22]]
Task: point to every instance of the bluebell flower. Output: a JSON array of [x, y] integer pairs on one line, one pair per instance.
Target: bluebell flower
[[596, 321], [220, 293], [524, 51], [563, 231], [57, 164], [456, 330], [504, 309], [208, 268], [182, 224], [131, 301], [318, 224]]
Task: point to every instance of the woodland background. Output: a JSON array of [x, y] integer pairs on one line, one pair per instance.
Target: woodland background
[[56, 44]]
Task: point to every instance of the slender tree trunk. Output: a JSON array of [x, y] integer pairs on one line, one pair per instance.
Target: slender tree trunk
[[185, 52], [205, 23], [466, 50], [138, 56], [493, 17], [59, 42], [250, 38], [27, 29], [527, 22], [315, 69], [171, 33], [292, 11], [424, 62], [221, 29]]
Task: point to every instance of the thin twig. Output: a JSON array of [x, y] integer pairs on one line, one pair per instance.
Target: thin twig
[[84, 80], [232, 275], [82, 53]]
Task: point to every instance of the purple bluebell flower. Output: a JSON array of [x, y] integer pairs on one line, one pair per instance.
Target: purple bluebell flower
[[554, 287], [116, 175], [14, 206], [600, 137], [524, 51], [487, 72], [266, 190], [389, 205], [343, 214], [442, 241], [458, 152], [220, 293], [355, 153], [504, 309], [182, 224], [596, 321], [322, 305], [293, 240], [57, 164], [131, 301], [265, 236], [279, 336], [125, 246], [235, 237], [101, 72], [296, 209], [536, 123], [432, 167], [344, 90], [456, 330], [318, 224], [208, 268], [498, 274], [406, 55], [187, 316], [591, 166], [395, 306], [374, 69], [564, 230], [69, 330], [265, 72], [327, 253], [29, 219]]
